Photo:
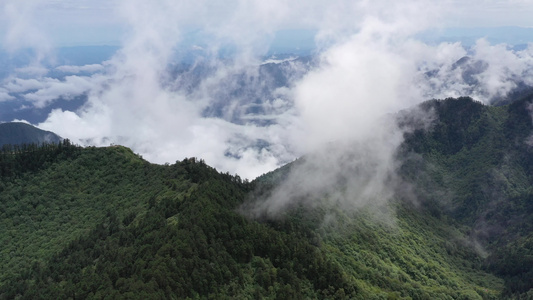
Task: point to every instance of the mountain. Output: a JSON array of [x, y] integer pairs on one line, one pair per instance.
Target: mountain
[[245, 96], [481, 158], [16, 133], [102, 222]]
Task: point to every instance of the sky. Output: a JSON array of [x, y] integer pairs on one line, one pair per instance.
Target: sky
[[103, 22], [370, 59]]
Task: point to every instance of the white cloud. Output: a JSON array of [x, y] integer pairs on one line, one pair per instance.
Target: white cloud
[[336, 110], [43, 91], [21, 121], [20, 85], [54, 89], [342, 107], [79, 69], [164, 125], [370, 65], [5, 96], [34, 69], [486, 72], [22, 32]]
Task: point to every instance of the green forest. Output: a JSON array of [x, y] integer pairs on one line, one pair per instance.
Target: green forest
[[103, 223]]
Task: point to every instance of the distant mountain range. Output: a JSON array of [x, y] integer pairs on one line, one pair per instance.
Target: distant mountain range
[[17, 133], [247, 96]]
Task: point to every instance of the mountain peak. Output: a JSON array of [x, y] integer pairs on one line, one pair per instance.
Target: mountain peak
[[16, 133]]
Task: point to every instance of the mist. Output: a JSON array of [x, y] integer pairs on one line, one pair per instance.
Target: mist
[[227, 108]]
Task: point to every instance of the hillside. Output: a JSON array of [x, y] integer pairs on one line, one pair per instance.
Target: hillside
[[156, 232], [480, 157], [468, 179], [16, 133], [102, 222]]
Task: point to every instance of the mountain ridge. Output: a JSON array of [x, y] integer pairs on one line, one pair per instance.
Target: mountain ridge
[[18, 133], [127, 228]]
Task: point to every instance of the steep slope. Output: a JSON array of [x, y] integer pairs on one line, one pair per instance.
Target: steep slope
[[466, 218], [480, 159], [55, 193], [16, 133], [396, 251]]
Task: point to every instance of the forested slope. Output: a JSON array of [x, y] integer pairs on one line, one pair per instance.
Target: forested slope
[[114, 225], [467, 218], [102, 222], [481, 158], [55, 193]]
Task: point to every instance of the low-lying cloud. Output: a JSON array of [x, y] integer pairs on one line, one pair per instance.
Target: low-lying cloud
[[233, 112], [92, 68], [43, 91]]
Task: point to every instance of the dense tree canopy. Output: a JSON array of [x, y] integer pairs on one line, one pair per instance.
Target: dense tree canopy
[[79, 223]]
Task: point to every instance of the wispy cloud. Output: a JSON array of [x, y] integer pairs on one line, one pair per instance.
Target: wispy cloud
[[5, 96], [92, 68], [230, 111], [21, 29]]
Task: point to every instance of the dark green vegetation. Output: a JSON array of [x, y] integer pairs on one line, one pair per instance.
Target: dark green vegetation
[[477, 170], [103, 223], [21, 133]]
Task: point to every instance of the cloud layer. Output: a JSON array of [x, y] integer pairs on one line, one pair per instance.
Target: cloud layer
[[241, 114]]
